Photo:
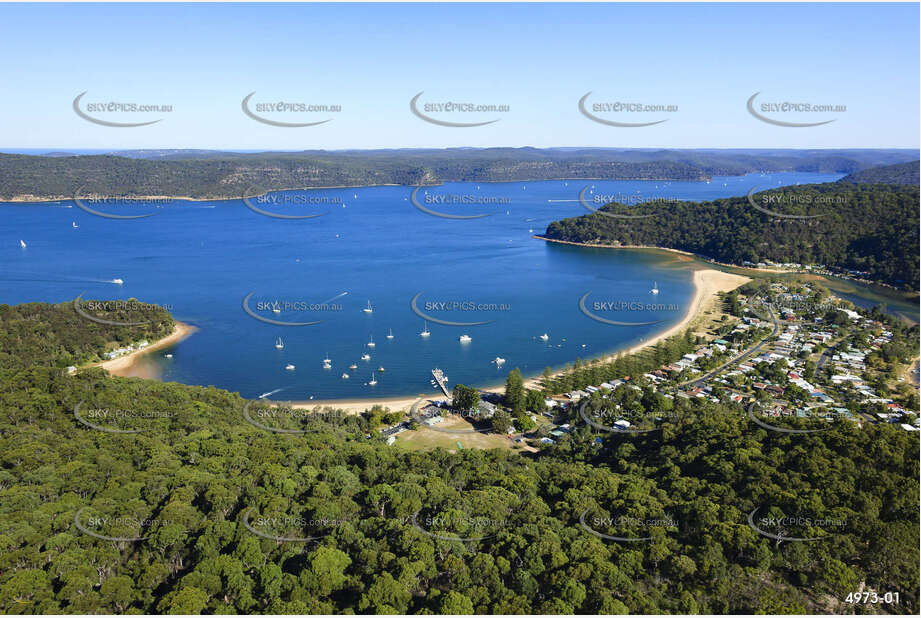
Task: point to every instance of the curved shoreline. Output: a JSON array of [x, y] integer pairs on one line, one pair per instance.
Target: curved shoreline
[[666, 249], [707, 283], [124, 366]]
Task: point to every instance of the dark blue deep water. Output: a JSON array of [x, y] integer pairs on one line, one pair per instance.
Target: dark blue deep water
[[202, 258]]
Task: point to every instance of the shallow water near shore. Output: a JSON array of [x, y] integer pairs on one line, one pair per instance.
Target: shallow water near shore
[[202, 259]]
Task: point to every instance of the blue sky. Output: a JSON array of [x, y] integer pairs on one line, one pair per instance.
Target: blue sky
[[539, 59]]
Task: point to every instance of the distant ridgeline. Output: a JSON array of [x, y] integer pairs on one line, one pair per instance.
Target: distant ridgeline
[[872, 229], [898, 174], [224, 175]]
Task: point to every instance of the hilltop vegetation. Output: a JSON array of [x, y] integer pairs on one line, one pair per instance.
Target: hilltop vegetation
[[898, 174], [868, 228], [33, 334], [223, 175], [200, 479]]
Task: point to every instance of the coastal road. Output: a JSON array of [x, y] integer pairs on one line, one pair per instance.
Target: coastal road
[[740, 357]]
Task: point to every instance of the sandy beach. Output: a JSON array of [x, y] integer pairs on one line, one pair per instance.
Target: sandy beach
[[707, 283], [357, 406], [126, 366]]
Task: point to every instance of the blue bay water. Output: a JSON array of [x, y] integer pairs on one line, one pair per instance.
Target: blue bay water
[[202, 258]]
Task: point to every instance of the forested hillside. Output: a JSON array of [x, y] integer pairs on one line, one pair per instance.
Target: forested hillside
[[224, 175], [201, 511], [34, 334], [868, 228], [898, 174]]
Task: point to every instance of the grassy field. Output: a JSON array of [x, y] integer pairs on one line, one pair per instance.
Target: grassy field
[[426, 439]]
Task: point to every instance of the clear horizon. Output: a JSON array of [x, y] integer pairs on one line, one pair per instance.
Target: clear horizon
[[539, 60], [77, 150]]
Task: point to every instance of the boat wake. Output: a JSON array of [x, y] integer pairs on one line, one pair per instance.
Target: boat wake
[[42, 279], [264, 395], [329, 300]]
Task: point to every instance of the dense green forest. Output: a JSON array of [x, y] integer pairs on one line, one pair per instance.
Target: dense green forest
[[868, 228], [75, 339], [194, 503], [898, 174], [222, 175]]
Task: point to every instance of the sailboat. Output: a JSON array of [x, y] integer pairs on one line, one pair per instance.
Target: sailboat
[[373, 380], [655, 288], [425, 329], [22, 244], [368, 309], [390, 334], [371, 343], [327, 364], [279, 344]]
